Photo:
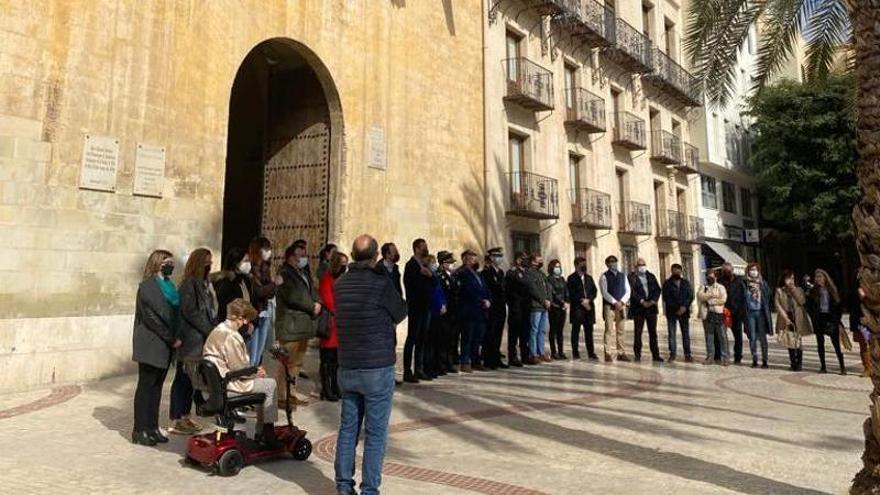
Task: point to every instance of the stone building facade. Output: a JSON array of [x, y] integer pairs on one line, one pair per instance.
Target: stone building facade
[[314, 119]]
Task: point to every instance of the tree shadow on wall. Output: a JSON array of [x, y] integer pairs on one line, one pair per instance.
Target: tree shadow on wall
[[469, 204]]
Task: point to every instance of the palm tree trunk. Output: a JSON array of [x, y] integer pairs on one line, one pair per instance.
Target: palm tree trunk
[[866, 216]]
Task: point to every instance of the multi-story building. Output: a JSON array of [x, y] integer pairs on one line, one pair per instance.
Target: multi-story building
[[589, 148]]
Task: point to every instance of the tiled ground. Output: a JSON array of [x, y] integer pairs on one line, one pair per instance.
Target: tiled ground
[[563, 428]]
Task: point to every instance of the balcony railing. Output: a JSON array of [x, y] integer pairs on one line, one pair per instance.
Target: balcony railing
[[696, 230], [665, 147], [551, 7], [590, 208], [584, 110], [533, 196], [631, 49], [528, 84], [671, 225], [629, 131], [672, 78], [635, 218], [690, 159], [590, 21]]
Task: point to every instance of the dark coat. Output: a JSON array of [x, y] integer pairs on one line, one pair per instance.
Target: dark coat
[[735, 295], [154, 332], [197, 317], [539, 289], [677, 297], [516, 291], [473, 292], [393, 275], [451, 289], [494, 279], [766, 302], [368, 309], [419, 288], [835, 316], [639, 294], [228, 288], [263, 288], [558, 289], [295, 300], [578, 291]]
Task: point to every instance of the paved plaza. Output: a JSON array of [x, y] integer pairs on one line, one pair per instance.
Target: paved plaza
[[561, 428]]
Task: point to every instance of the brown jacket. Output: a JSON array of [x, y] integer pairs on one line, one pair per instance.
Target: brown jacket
[[225, 348], [801, 322]]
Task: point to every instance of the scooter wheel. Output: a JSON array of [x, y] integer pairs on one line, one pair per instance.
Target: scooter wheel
[[302, 449], [230, 463]]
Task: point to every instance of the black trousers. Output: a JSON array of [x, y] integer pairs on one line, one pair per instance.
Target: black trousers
[[588, 338], [737, 329], [639, 323], [557, 324], [418, 320], [437, 345], [147, 397], [329, 368], [181, 394], [494, 334], [831, 329], [795, 358], [517, 335]]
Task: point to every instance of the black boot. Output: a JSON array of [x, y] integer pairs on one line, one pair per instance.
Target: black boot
[[157, 436], [142, 438], [792, 359], [800, 359]]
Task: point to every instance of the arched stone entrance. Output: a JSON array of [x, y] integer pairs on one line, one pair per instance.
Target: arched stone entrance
[[284, 149]]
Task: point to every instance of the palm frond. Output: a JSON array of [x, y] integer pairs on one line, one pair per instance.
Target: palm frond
[[784, 20], [829, 31]]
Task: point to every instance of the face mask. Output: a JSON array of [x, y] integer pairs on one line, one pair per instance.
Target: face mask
[[396, 258], [303, 262], [711, 280], [582, 269], [497, 259], [539, 266], [676, 276], [267, 254], [388, 263], [642, 269], [557, 271], [167, 270], [434, 267], [612, 267], [244, 267], [753, 273], [340, 271]]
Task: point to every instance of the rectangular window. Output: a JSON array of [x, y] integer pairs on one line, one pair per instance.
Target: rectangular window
[[709, 192], [570, 73], [574, 175], [664, 266], [728, 195], [526, 241], [630, 254], [512, 44], [584, 250], [648, 20], [746, 202], [515, 160], [687, 267]]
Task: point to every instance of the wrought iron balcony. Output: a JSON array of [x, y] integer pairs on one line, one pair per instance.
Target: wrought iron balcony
[[672, 78], [584, 110], [528, 84], [590, 22], [629, 131], [696, 230], [665, 147], [631, 49], [635, 218], [533, 196], [590, 208], [551, 7], [690, 159], [671, 225]]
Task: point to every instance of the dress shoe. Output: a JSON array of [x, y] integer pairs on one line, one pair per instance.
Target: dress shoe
[[516, 363], [410, 378], [823, 370], [657, 359], [708, 361], [554, 356], [158, 436], [689, 359], [441, 373], [575, 355], [563, 356], [142, 438], [738, 361], [754, 363], [479, 367], [466, 368], [608, 358], [725, 362], [764, 365], [623, 358], [424, 377], [452, 370], [545, 358], [671, 358], [637, 358], [843, 371], [503, 366], [593, 357]]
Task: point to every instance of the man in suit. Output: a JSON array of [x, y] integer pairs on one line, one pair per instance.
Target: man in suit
[[474, 304], [448, 324], [418, 281], [516, 293], [643, 309], [582, 293], [615, 290], [493, 276], [390, 258], [677, 298]]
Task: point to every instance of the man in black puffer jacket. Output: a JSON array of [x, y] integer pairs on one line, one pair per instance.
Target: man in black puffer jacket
[[368, 309]]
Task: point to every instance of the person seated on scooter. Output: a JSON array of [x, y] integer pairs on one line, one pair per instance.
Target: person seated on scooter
[[225, 348]]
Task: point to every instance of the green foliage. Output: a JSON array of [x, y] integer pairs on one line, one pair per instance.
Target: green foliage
[[804, 156]]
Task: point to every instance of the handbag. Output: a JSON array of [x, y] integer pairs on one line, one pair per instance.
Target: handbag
[[322, 329], [845, 341], [788, 337]]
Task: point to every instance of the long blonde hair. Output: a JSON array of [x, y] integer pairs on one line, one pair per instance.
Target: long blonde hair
[[154, 262], [829, 284]]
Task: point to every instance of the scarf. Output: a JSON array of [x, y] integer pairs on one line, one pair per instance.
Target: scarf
[[755, 288], [169, 291]]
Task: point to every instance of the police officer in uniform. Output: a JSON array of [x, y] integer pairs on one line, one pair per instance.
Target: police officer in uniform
[[516, 291], [449, 327], [493, 277]]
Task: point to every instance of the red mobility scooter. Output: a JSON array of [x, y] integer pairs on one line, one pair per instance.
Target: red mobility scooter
[[226, 450]]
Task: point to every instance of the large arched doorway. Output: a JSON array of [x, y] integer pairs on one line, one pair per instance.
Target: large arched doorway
[[282, 149]]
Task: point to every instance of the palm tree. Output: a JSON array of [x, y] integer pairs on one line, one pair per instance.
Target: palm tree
[[717, 28]]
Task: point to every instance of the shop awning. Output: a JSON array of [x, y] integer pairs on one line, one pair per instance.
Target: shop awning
[[728, 255]]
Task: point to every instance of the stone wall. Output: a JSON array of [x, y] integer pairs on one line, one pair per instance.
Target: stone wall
[[161, 73]]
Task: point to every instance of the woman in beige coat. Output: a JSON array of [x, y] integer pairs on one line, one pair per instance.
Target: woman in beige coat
[[792, 319]]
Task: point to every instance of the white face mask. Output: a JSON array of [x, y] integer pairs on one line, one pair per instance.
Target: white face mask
[[497, 259], [267, 254], [612, 267], [557, 271], [642, 269], [244, 267], [303, 262], [434, 267], [753, 273]]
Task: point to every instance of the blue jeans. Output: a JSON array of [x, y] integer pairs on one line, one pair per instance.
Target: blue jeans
[[672, 321], [538, 320], [366, 399], [757, 328], [257, 344], [472, 330]]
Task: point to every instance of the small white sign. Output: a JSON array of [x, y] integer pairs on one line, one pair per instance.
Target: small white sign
[[752, 235], [377, 149], [100, 160], [149, 170]]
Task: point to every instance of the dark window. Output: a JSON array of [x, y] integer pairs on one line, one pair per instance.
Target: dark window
[[728, 195], [710, 192]]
